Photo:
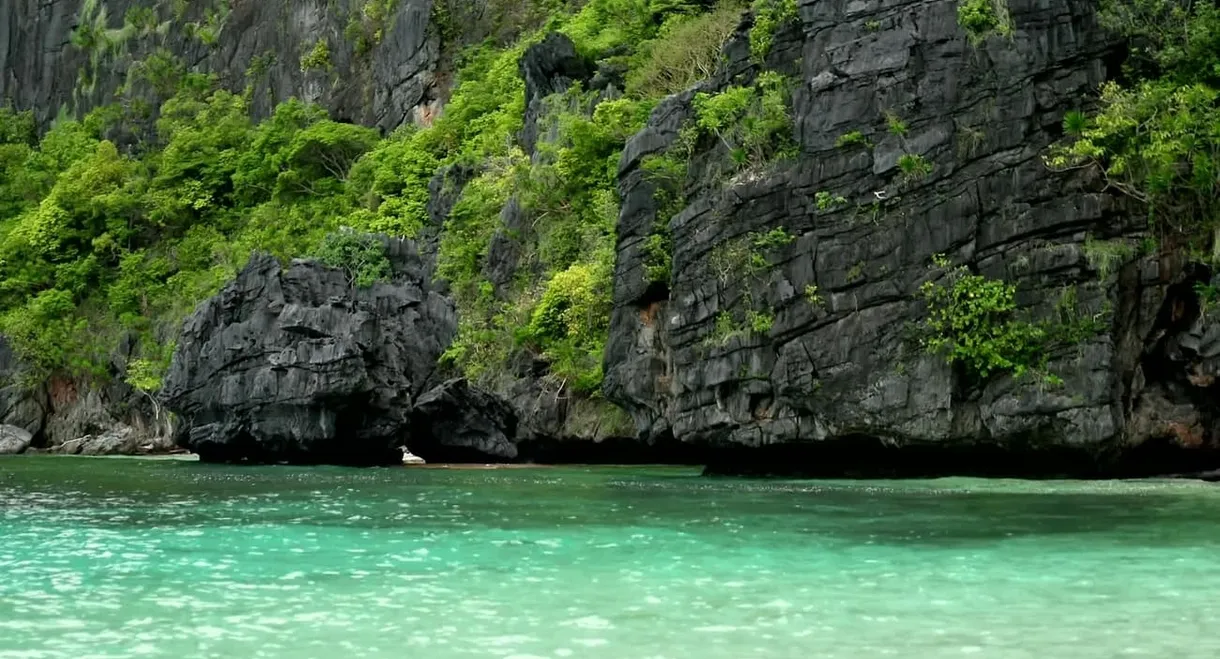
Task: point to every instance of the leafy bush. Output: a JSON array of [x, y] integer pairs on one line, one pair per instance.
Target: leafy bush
[[973, 320], [571, 322], [686, 50], [852, 138], [361, 256], [769, 16], [777, 237], [390, 186], [914, 166], [318, 57], [51, 337], [1105, 256], [724, 329], [658, 256], [366, 26], [826, 201], [1155, 138], [980, 18], [17, 127], [813, 296], [1075, 122], [896, 125], [148, 374], [754, 123], [1158, 143], [760, 322]]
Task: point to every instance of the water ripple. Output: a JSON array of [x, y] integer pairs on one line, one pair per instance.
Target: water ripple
[[166, 559]]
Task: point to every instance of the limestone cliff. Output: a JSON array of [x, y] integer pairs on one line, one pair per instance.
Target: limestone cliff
[[835, 383], [770, 301], [368, 62]]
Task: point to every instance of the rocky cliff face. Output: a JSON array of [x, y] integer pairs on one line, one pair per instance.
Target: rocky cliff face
[[785, 334], [366, 62], [299, 364], [833, 384]]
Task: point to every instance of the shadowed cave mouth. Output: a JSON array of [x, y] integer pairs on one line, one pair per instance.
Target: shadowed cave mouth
[[543, 450], [866, 457]]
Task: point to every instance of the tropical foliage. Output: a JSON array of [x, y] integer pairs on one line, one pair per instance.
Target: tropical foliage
[[101, 240], [1156, 135]]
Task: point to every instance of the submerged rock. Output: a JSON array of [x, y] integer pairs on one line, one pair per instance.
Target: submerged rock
[[14, 440], [298, 364]]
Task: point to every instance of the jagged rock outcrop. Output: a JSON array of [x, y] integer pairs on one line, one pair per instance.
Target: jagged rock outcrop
[[297, 364], [834, 385], [379, 70], [817, 369], [459, 422], [456, 422], [555, 423]]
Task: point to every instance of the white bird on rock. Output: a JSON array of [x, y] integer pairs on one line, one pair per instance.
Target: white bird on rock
[[409, 458]]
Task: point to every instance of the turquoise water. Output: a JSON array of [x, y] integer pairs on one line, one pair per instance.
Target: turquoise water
[[130, 558]]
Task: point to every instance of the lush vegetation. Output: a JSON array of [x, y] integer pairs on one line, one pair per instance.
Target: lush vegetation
[[974, 321], [100, 240], [96, 244], [568, 191], [753, 122], [1156, 135], [361, 255], [1155, 138], [769, 16], [684, 51], [982, 18]]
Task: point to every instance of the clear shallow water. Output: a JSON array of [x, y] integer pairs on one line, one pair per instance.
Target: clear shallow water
[[126, 558]]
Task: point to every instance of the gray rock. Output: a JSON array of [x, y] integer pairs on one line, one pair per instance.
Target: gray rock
[[20, 405], [505, 250], [120, 440], [456, 422], [14, 440], [59, 410], [548, 67], [844, 369], [380, 75], [296, 364], [79, 414]]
